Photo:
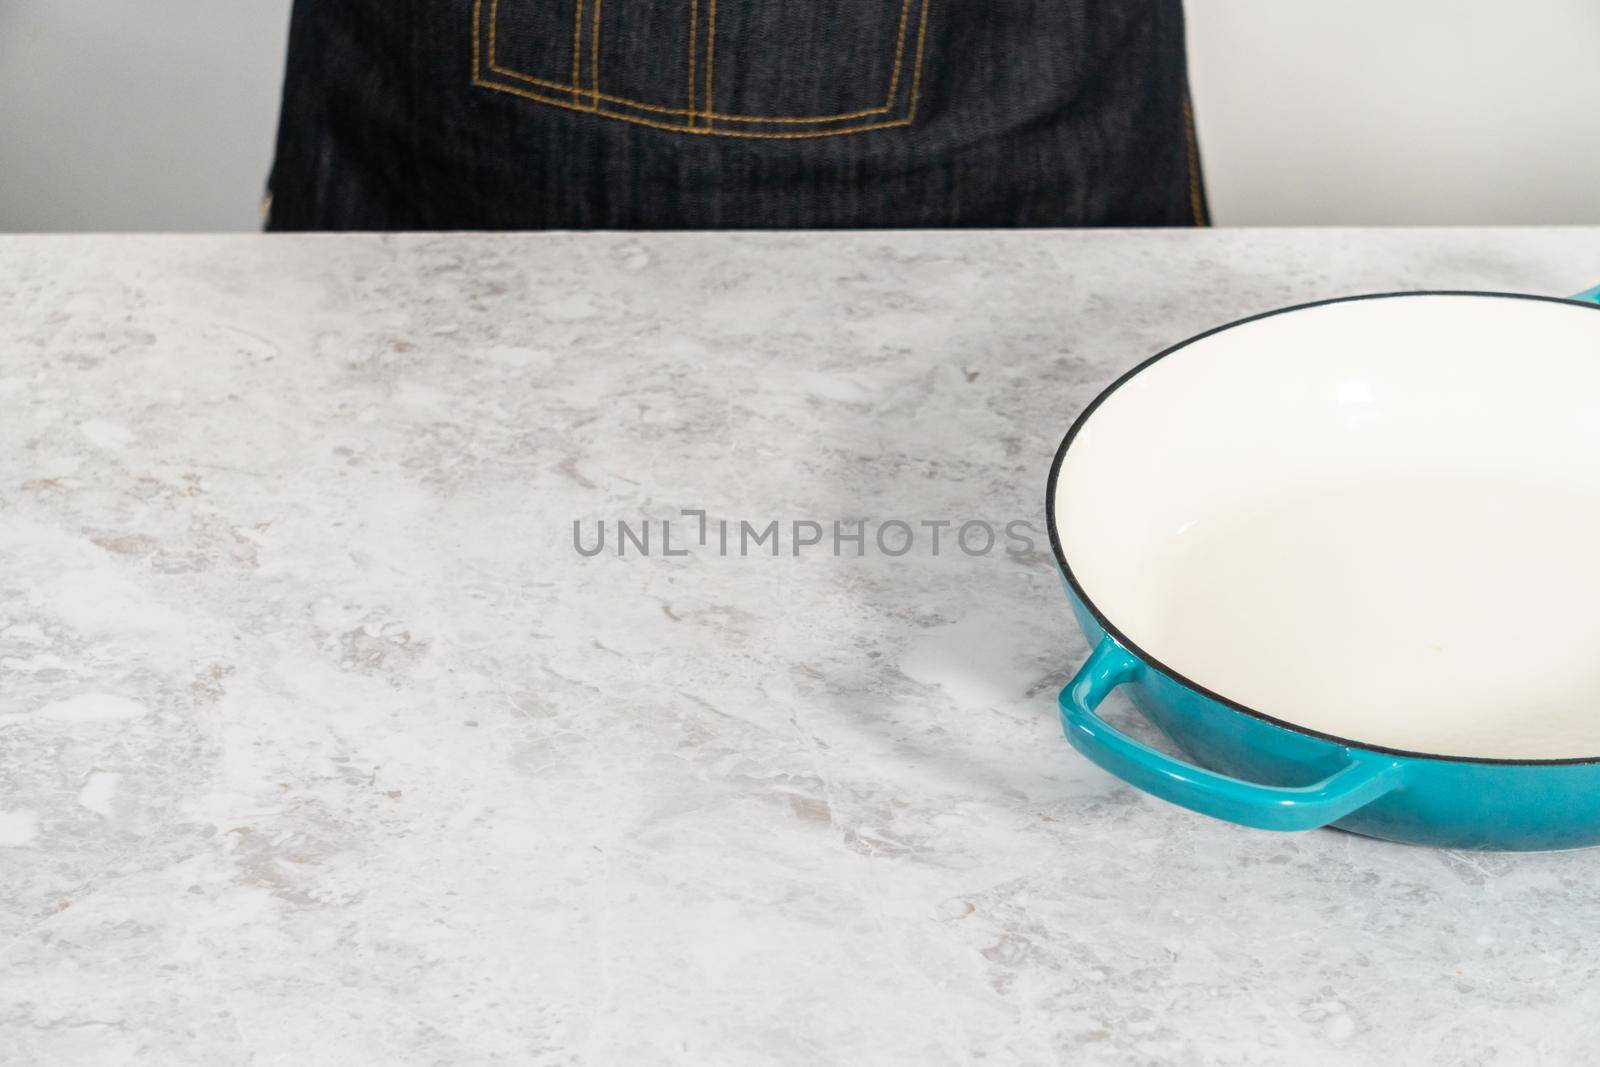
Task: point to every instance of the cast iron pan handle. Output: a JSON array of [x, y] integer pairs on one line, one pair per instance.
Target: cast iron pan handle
[[1364, 778]]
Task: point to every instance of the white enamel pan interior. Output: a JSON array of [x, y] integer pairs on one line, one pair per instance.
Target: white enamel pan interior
[[1375, 518]]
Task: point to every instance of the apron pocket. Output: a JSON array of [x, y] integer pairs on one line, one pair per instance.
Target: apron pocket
[[754, 68]]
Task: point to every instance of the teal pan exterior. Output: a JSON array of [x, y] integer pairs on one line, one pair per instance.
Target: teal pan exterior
[[1247, 768]]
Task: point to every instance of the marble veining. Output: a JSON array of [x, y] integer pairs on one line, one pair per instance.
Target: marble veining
[[321, 744]]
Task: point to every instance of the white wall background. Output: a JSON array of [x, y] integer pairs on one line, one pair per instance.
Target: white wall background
[[1398, 111], [159, 114]]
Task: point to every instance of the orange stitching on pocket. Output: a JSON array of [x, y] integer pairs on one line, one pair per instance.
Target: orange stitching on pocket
[[916, 79], [477, 32], [694, 8], [708, 113], [899, 50], [494, 26], [577, 50], [659, 109], [711, 59], [594, 61], [642, 106], [514, 91]]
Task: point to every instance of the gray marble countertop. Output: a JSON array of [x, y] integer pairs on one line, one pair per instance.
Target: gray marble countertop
[[322, 743]]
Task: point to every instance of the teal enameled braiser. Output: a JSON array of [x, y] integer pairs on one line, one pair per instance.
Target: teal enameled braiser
[[1250, 765]]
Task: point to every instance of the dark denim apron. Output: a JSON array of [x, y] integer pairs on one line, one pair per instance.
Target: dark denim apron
[[590, 114]]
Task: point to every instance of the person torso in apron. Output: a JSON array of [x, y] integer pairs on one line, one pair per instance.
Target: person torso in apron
[[727, 114]]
